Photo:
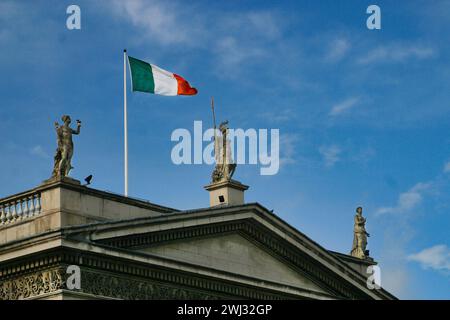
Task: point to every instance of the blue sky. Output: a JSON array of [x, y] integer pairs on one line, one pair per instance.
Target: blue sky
[[362, 114]]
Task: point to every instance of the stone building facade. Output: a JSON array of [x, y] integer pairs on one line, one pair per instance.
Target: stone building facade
[[132, 249]]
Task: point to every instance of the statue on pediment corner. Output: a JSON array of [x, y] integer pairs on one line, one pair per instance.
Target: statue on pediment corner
[[359, 236]]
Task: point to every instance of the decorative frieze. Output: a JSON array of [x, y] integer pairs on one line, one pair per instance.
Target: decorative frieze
[[107, 285], [114, 278], [31, 285], [99, 284]]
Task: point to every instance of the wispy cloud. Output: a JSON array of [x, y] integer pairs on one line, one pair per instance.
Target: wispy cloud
[[234, 39], [244, 38], [159, 20], [447, 167], [343, 106], [278, 116], [39, 152], [436, 258], [337, 50], [288, 148], [331, 154], [232, 52], [265, 23], [396, 53], [407, 200]]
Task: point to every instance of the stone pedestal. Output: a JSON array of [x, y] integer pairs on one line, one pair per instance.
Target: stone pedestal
[[61, 179], [226, 193]]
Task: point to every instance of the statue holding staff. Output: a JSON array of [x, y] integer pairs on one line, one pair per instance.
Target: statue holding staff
[[225, 166]]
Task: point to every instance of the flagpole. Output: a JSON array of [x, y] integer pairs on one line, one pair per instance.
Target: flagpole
[[125, 125]]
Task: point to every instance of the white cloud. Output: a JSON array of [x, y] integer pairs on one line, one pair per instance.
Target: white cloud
[[264, 23], [407, 200], [330, 154], [337, 50], [235, 39], [447, 167], [244, 38], [287, 148], [278, 116], [232, 52], [436, 257], [253, 24], [343, 106], [162, 21], [39, 152], [397, 53]]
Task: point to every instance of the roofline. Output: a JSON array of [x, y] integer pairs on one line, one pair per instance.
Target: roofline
[[64, 183], [317, 250], [297, 235]]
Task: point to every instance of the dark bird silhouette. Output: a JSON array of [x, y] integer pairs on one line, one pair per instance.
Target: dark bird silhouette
[[88, 180]]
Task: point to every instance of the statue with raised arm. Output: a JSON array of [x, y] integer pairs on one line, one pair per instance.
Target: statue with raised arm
[[360, 236], [64, 152]]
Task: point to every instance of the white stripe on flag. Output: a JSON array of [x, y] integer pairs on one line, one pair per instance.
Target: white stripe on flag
[[165, 82]]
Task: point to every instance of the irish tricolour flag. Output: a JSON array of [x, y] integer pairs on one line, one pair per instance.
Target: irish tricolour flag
[[146, 77]]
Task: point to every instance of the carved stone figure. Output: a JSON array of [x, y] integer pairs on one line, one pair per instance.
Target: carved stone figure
[[64, 152], [225, 166], [360, 236]]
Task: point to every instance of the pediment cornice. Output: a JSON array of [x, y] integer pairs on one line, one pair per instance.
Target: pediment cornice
[[251, 221]]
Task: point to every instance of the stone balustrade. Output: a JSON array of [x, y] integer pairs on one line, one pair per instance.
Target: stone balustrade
[[58, 203], [20, 207]]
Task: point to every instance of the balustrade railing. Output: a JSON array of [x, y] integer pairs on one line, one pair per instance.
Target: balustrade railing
[[19, 208]]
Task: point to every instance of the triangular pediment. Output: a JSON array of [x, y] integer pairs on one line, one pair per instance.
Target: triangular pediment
[[243, 241], [233, 253]]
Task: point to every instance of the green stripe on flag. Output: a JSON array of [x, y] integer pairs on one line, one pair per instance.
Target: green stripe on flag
[[141, 75]]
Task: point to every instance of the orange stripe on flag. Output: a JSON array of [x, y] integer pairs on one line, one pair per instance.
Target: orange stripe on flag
[[184, 88]]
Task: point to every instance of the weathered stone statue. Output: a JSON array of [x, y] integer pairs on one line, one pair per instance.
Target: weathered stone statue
[[225, 166], [64, 152], [360, 236]]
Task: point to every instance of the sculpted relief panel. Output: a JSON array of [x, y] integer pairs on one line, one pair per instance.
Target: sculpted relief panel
[[31, 285], [94, 283]]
